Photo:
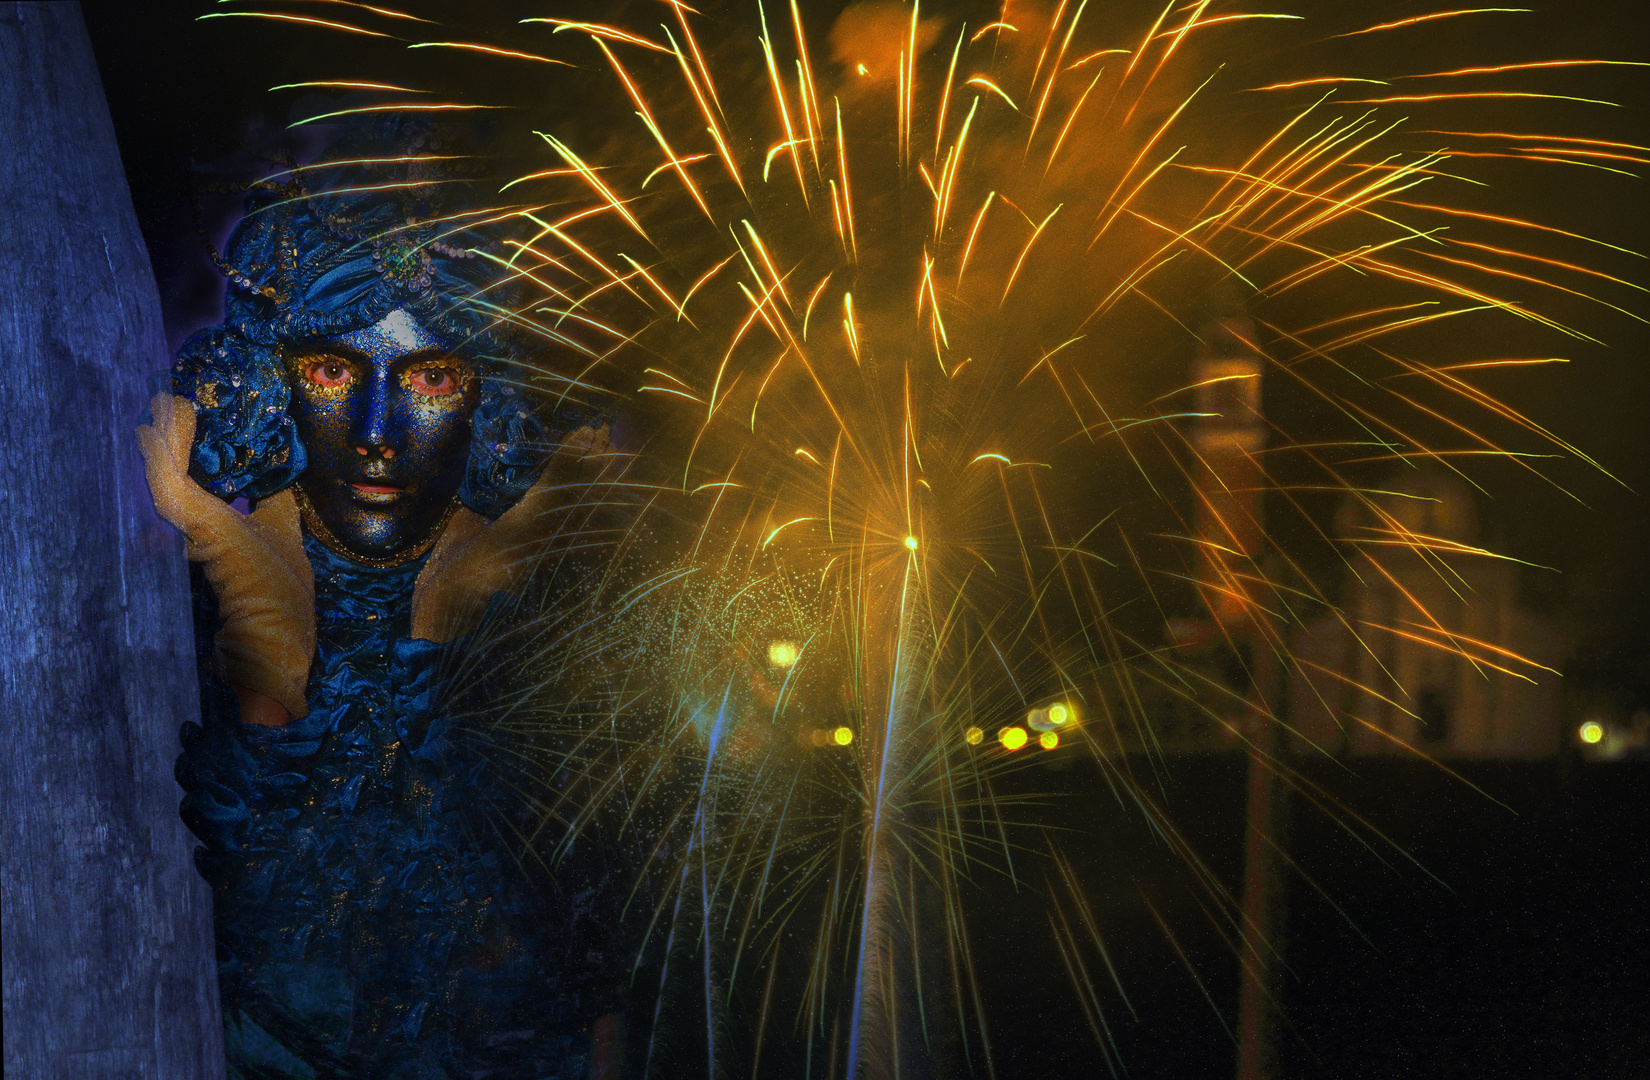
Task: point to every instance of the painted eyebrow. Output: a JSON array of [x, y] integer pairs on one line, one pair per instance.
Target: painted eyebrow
[[354, 355]]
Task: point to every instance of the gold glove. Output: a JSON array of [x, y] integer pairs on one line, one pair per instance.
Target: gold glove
[[474, 560], [255, 562]]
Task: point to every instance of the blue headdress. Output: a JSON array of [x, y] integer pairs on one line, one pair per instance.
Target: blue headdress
[[332, 251]]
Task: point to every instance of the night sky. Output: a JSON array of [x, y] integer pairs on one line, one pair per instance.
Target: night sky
[[1526, 955]]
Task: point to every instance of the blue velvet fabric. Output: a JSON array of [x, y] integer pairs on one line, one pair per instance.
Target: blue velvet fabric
[[367, 923]]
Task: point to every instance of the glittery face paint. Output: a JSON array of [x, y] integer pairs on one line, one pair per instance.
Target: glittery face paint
[[384, 414]]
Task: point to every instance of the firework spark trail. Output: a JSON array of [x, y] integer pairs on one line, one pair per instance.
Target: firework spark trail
[[901, 388]]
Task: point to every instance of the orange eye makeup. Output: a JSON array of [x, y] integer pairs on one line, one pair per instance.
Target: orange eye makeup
[[329, 373], [433, 380]]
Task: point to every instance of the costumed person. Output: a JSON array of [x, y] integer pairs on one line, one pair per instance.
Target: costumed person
[[369, 394]]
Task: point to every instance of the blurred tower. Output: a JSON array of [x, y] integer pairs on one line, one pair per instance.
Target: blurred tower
[[1226, 480], [1226, 437]]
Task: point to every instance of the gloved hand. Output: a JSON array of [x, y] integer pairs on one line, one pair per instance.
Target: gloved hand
[[255, 562], [474, 560]]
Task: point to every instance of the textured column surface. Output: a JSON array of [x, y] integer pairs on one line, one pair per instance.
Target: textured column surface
[[106, 927]]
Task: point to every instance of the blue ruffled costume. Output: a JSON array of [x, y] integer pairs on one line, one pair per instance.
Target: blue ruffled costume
[[367, 925]]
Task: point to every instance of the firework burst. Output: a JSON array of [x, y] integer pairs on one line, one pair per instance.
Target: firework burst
[[941, 332]]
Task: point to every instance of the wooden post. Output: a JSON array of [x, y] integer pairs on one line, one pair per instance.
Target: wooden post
[[1262, 901], [106, 926]]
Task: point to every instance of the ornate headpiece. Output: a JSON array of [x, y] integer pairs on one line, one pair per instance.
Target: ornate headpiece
[[333, 250]]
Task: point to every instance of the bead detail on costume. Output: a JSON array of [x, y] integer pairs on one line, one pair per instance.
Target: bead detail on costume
[[317, 528]]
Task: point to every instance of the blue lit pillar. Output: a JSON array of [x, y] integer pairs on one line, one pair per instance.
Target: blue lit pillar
[[106, 927]]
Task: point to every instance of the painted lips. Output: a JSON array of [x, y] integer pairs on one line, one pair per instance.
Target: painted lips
[[376, 493]]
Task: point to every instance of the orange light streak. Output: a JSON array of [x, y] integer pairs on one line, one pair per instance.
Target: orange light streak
[[1141, 156], [400, 107], [1070, 120], [1512, 253], [848, 325], [294, 19], [908, 101], [945, 94], [489, 50], [1415, 20], [706, 276], [1018, 263], [1514, 275], [810, 96], [599, 30], [812, 299], [1529, 66], [981, 80], [1517, 222], [1054, 69], [836, 214], [953, 162], [658, 288], [1327, 79], [784, 110], [386, 12], [1075, 64], [690, 159], [335, 163], [778, 281], [842, 174], [593, 180], [345, 84], [1151, 35], [1467, 94], [672, 161], [979, 219], [1539, 138]]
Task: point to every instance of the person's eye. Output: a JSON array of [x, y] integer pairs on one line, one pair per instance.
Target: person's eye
[[433, 381], [329, 373]]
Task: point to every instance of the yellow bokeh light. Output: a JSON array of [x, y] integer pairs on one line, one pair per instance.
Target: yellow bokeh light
[[1048, 740], [1012, 738], [1058, 715], [1591, 732], [842, 736], [782, 654], [911, 542], [974, 736]]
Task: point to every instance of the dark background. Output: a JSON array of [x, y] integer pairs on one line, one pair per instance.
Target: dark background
[[1488, 940]]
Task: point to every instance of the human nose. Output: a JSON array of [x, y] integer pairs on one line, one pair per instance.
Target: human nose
[[372, 432]]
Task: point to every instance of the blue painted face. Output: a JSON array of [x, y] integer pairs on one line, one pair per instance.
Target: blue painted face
[[384, 414]]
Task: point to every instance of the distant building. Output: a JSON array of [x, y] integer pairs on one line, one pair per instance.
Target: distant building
[[1431, 649]]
